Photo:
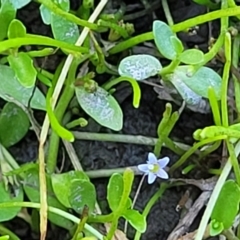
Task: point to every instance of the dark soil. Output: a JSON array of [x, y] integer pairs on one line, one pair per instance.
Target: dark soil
[[142, 121]]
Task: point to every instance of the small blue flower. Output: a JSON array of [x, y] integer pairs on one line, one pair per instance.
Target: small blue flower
[[154, 167]]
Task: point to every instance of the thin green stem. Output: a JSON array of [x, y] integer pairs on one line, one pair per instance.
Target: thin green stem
[[225, 77], [167, 12], [133, 82], [72, 18], [194, 148], [177, 27], [52, 210], [5, 231], [234, 160], [64, 100], [39, 40], [150, 204]]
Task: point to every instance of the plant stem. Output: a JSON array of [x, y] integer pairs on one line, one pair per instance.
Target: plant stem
[[72, 18], [39, 40], [177, 28], [150, 204], [52, 210]]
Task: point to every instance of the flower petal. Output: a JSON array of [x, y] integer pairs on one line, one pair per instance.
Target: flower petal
[[143, 168], [163, 162], [152, 158], [162, 174], [151, 177]]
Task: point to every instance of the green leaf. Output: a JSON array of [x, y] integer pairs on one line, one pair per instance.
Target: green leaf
[[115, 191], [200, 81], [10, 86], [63, 29], [215, 228], [16, 29], [22, 65], [162, 36], [19, 3], [46, 13], [177, 44], [11, 195], [82, 193], [227, 205], [139, 67], [186, 93], [192, 56], [7, 14], [31, 188], [14, 124], [101, 106], [137, 220], [61, 184]]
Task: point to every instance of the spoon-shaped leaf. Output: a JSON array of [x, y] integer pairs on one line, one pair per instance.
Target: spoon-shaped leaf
[[101, 106], [139, 67]]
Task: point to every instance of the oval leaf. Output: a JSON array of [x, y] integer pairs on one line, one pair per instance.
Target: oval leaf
[[16, 29], [162, 34], [46, 14], [10, 86], [14, 195], [22, 65], [7, 14], [139, 67], [200, 81], [63, 29], [14, 124], [19, 3], [227, 205], [101, 106], [189, 96], [61, 184], [115, 191], [177, 44], [31, 188], [82, 193], [192, 56], [137, 220]]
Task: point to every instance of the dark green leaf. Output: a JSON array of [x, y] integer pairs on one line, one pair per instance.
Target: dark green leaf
[[31, 187], [139, 67], [7, 14], [101, 106], [11, 195], [23, 67], [61, 184], [162, 36], [115, 191], [137, 220], [10, 86], [14, 124], [227, 205], [82, 193], [192, 56], [16, 29]]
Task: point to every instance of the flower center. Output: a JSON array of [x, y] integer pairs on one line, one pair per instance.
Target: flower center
[[153, 168]]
